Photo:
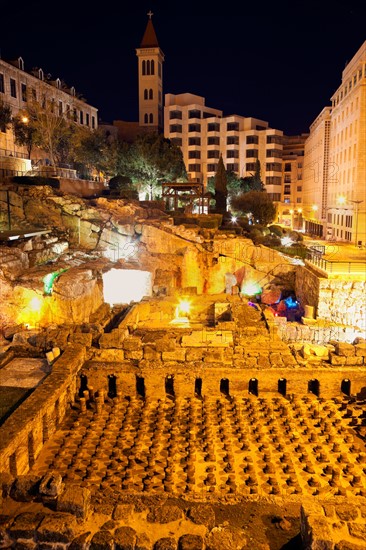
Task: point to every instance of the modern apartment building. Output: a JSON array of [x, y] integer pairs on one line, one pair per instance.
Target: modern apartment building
[[17, 86], [334, 192], [203, 133]]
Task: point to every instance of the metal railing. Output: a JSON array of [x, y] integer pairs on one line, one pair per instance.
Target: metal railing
[[336, 267], [14, 154]]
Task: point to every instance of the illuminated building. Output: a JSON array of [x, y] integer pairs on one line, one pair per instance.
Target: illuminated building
[[335, 155], [203, 133], [17, 86]]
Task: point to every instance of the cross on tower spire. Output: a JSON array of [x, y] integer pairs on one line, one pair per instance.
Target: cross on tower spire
[[150, 14]]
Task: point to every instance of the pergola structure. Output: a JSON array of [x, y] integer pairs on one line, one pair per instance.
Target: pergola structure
[[190, 193]]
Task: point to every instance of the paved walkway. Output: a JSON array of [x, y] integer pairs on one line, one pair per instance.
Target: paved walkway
[[339, 251]]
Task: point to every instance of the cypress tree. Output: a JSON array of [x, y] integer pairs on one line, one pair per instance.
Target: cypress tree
[[220, 187]]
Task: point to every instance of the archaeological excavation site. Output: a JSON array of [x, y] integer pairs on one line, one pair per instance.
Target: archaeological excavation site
[[155, 396]]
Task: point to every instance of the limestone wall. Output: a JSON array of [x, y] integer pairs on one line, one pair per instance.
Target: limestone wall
[[334, 525], [340, 300], [24, 433]]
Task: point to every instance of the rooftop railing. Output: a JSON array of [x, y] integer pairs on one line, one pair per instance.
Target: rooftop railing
[[335, 267]]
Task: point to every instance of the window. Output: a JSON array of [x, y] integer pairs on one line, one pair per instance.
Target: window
[[232, 167], [207, 115], [87, 118], [275, 196], [213, 127], [13, 88], [177, 141], [177, 128], [250, 166], [287, 167], [75, 115], [273, 180], [151, 95], [298, 200], [252, 139], [215, 140], [274, 153], [148, 67], [287, 189], [159, 69], [232, 126], [175, 114], [194, 127], [194, 141], [274, 139], [213, 154], [194, 154], [194, 168], [299, 188], [145, 94], [81, 117], [194, 113], [24, 91], [211, 167], [232, 140], [151, 118], [273, 167], [299, 164], [251, 153], [287, 178], [60, 108], [2, 87], [93, 122], [232, 153]]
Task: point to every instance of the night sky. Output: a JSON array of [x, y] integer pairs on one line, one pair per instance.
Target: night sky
[[279, 62]]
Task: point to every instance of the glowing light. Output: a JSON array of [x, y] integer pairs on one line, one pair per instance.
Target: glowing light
[[291, 303], [251, 288], [35, 304], [25, 119], [299, 210], [341, 200], [287, 241], [122, 286], [184, 306], [234, 219], [315, 207], [49, 279], [291, 211]]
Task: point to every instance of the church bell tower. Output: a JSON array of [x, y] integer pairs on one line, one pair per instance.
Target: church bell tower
[[150, 71]]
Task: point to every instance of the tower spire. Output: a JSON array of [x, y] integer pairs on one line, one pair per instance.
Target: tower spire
[[149, 40]]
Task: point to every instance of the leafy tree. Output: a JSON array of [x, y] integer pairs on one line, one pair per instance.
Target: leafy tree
[[254, 181], [5, 116], [97, 150], [24, 132], [151, 159], [258, 203], [220, 187], [124, 186], [53, 132]]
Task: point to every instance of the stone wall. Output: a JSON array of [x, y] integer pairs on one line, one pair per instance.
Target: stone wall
[[24, 433], [337, 299], [336, 525]]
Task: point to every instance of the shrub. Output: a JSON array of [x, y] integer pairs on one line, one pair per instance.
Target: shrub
[[276, 230]]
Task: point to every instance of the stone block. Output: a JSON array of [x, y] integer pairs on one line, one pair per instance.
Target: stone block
[[190, 542], [123, 511], [164, 514], [226, 538], [346, 545], [165, 344], [25, 488], [51, 485], [102, 540], [150, 354], [177, 355], [355, 361], [134, 355], [213, 356], [360, 349], [263, 362], [80, 542], [74, 500], [202, 515], [85, 339], [25, 525], [132, 344], [344, 349], [358, 530], [166, 543], [194, 354], [125, 538], [336, 359], [347, 512], [57, 527]]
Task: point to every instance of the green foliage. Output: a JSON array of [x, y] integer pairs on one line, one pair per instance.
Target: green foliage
[[24, 133], [221, 187], [5, 116], [152, 159], [276, 230], [124, 187], [36, 180], [257, 203]]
